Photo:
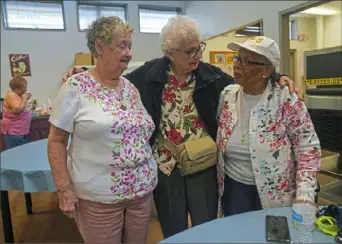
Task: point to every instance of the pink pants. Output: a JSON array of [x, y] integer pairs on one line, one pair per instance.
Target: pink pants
[[125, 222]]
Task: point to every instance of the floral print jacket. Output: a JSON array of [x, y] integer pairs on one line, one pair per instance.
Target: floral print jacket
[[179, 122], [284, 148]]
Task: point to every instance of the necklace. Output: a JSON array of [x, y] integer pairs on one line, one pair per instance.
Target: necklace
[[118, 89], [120, 95], [244, 134]]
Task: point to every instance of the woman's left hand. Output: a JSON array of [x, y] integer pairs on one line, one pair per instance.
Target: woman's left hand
[[286, 81], [68, 202]]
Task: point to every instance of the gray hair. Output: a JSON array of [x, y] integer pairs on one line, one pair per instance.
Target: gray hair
[[177, 32], [104, 29]]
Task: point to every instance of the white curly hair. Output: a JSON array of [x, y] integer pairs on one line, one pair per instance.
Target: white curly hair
[[178, 32]]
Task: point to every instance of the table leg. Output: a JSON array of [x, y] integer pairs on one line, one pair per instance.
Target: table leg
[[28, 201], [6, 217]]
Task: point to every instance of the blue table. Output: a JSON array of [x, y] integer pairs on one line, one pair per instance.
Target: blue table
[[24, 168], [242, 228]]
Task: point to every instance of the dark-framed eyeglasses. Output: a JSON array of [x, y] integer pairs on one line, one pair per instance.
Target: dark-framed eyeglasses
[[194, 51], [245, 62]]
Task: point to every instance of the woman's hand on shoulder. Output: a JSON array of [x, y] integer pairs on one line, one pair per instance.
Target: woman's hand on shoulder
[[286, 81], [72, 71]]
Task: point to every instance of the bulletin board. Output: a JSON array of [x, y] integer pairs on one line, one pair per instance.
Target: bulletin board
[[223, 60]]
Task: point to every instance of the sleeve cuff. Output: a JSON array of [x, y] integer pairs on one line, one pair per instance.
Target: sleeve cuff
[[56, 123]]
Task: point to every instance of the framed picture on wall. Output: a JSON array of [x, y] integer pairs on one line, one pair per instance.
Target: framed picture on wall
[[221, 57], [20, 64]]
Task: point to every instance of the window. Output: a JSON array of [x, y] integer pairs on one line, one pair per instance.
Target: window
[[293, 24], [250, 30], [46, 15], [87, 13], [153, 20]]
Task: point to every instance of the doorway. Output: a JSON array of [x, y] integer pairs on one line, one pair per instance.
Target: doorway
[[292, 72], [305, 29], [312, 29], [284, 31]]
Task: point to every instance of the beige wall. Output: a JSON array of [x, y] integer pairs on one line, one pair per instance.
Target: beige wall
[[332, 30], [321, 32], [220, 43], [306, 26]]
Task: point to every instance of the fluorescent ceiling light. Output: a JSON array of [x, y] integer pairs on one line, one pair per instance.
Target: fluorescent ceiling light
[[320, 11]]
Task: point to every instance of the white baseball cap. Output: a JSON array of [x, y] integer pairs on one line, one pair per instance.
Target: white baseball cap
[[262, 45]]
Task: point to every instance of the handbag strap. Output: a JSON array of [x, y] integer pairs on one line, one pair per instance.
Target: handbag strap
[[167, 144]]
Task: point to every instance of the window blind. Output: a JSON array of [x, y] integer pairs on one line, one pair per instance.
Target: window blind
[[33, 15], [152, 21], [250, 30], [89, 13], [293, 25]]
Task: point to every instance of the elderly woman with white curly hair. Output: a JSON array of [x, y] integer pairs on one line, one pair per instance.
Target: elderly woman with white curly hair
[[107, 183], [181, 93]]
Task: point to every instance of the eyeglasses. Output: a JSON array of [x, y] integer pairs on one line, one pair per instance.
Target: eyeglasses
[[194, 51], [245, 62]]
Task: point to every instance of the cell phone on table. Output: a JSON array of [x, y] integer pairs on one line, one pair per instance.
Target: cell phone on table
[[277, 229]]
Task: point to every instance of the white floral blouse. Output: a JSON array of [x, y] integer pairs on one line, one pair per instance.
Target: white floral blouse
[[284, 148], [110, 159]]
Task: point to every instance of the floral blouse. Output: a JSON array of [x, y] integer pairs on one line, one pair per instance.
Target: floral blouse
[[180, 121], [284, 148], [110, 159]]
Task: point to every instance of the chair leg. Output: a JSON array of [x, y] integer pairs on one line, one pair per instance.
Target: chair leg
[[28, 201], [6, 218], [318, 189]]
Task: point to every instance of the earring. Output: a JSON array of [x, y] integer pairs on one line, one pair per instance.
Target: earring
[[263, 76]]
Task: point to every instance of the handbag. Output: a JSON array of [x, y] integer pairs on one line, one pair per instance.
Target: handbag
[[193, 156]]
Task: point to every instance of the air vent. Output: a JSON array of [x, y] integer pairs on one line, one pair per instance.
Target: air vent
[[328, 126]]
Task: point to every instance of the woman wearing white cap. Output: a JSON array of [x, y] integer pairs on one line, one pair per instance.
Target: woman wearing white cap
[[269, 150]]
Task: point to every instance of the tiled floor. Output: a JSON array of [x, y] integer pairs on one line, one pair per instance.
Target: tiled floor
[[48, 225]]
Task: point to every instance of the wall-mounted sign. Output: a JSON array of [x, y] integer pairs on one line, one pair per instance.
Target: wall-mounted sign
[[223, 59], [20, 64]]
